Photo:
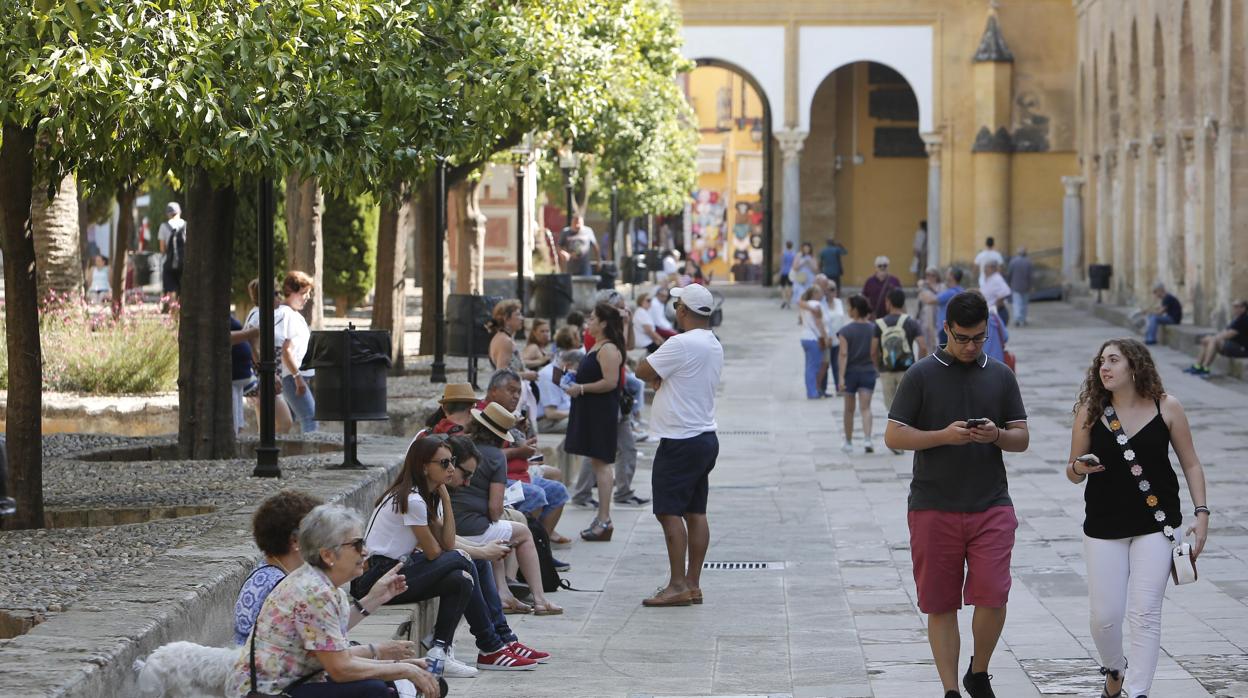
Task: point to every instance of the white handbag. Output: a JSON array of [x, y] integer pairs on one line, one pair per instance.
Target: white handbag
[[1182, 565]]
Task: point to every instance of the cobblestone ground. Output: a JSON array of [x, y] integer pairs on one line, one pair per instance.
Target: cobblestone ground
[[840, 618]]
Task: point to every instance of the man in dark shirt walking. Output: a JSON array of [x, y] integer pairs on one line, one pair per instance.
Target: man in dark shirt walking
[[1169, 311], [830, 260], [958, 409]]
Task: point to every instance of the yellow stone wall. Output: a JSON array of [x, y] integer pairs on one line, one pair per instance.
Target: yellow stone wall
[[878, 205]]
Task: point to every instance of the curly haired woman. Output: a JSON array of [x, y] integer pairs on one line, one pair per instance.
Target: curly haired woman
[[1125, 424]]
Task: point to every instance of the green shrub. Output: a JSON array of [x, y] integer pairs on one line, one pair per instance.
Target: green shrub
[[87, 350], [349, 227]]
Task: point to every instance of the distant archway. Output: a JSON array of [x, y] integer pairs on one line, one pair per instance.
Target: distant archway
[[739, 225]]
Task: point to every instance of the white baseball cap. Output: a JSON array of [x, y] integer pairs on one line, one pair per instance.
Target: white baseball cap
[[695, 297]]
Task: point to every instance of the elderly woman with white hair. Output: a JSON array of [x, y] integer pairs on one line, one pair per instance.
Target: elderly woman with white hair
[[298, 646]]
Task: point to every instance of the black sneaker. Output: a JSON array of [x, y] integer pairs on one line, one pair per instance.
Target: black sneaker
[[978, 685], [561, 565], [952, 694], [633, 500]]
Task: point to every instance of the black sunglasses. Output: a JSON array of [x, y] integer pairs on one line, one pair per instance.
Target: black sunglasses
[[358, 544], [446, 463], [467, 473]]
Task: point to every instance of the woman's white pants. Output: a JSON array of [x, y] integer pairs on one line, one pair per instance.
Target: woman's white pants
[[1127, 579]]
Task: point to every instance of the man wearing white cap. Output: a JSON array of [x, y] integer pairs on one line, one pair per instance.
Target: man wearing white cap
[[685, 372]]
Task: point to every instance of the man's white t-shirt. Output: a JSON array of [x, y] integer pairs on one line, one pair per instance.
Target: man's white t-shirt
[[669, 265], [983, 258], [289, 324], [391, 534], [690, 365], [642, 320]]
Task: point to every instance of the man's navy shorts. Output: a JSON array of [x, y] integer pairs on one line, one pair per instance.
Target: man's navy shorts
[[679, 479]]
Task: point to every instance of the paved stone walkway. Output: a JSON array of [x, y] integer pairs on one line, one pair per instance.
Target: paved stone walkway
[[840, 618]]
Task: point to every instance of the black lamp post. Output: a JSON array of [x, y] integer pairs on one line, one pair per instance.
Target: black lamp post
[[438, 371], [520, 250], [568, 162], [267, 451]]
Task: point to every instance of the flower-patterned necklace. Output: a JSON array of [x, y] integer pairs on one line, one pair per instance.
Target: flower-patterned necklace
[[1128, 454]]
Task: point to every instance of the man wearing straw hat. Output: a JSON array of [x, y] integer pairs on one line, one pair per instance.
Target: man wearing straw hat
[[457, 400]]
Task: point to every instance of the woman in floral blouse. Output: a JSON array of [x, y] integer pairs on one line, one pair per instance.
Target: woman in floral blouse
[[300, 638]]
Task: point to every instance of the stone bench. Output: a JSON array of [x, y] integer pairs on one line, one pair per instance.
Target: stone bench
[[1182, 338], [404, 621]]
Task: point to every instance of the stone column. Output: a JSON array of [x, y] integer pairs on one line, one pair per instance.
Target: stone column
[[1072, 230], [1144, 257], [1191, 266], [933, 142], [1105, 174], [791, 205], [1161, 217]]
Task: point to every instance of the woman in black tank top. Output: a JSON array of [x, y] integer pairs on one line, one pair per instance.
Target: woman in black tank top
[[1125, 425]]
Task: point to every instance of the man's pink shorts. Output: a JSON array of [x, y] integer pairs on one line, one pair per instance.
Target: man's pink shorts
[[945, 544]]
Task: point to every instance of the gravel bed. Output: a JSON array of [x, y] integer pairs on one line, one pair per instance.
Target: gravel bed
[[47, 570]]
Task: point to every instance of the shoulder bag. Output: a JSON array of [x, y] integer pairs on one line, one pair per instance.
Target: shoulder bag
[[285, 693], [1182, 565]]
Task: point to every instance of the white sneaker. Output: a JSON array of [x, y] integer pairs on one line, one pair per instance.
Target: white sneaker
[[870, 447], [848, 447], [452, 668]]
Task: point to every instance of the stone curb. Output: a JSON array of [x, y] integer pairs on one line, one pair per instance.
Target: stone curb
[[185, 594]]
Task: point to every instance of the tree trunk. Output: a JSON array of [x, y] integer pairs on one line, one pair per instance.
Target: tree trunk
[[25, 401], [55, 224], [121, 244], [390, 293], [470, 277], [305, 201], [426, 207], [205, 412]]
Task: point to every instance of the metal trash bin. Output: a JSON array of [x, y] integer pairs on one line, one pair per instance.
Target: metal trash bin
[[552, 296], [607, 274], [143, 268], [351, 370], [466, 331], [1098, 276]]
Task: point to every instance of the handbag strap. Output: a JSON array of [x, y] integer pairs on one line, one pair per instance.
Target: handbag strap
[[1152, 501]]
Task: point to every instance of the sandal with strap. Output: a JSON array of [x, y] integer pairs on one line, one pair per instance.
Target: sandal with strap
[[516, 606], [1114, 674], [598, 531]]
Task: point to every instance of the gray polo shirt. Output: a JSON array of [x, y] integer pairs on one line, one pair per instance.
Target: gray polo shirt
[[937, 391], [471, 503]]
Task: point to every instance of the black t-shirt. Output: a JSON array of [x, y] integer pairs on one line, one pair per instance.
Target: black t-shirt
[[471, 502], [934, 393], [1240, 325], [240, 355], [1172, 307]]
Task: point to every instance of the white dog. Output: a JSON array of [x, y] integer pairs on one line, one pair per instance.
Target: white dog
[[186, 670]]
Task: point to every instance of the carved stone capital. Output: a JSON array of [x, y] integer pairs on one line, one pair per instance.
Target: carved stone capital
[[1133, 149], [1159, 144], [1074, 186], [791, 143]]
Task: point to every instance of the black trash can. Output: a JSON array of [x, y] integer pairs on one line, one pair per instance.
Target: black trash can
[[1098, 276], [634, 271], [552, 296], [654, 259], [351, 368], [607, 274], [466, 318], [142, 268]]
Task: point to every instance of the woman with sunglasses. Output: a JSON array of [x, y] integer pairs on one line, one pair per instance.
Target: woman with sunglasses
[[298, 646], [413, 519]]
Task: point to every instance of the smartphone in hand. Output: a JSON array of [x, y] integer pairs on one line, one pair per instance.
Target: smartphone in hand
[[1089, 458], [975, 422]]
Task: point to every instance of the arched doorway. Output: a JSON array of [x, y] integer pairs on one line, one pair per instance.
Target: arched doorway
[[728, 224], [864, 171]]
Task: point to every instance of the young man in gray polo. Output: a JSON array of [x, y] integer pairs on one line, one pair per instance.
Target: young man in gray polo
[[685, 372], [958, 409]]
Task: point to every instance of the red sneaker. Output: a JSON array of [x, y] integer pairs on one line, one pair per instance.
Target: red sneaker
[[522, 650], [504, 660]]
